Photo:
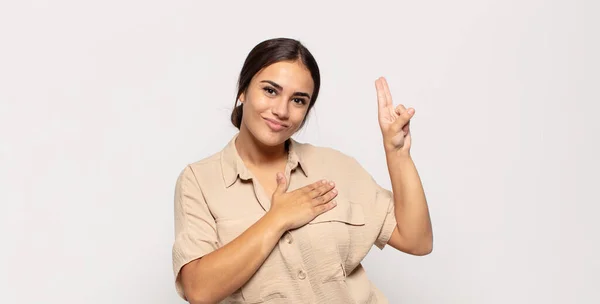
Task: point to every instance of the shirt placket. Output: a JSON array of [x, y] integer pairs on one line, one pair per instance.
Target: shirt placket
[[290, 249]]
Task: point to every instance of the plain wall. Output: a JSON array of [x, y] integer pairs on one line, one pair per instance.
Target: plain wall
[[103, 103]]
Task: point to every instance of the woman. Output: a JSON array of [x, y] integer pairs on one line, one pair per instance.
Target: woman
[[269, 219]]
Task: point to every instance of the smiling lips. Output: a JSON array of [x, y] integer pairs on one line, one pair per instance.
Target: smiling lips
[[275, 125]]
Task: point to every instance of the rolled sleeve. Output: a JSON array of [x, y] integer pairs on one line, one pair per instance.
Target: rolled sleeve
[[381, 202], [195, 227], [385, 204]]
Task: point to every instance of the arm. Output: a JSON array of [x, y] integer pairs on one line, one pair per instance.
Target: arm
[[221, 271], [413, 233], [218, 274]]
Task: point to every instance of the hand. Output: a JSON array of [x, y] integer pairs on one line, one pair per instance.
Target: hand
[[394, 122], [298, 207]]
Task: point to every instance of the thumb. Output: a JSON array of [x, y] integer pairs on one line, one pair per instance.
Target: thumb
[[281, 183]]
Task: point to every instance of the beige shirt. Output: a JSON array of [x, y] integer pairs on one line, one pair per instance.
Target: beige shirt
[[216, 200]]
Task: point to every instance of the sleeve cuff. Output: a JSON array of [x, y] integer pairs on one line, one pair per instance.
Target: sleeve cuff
[[389, 224], [183, 254]]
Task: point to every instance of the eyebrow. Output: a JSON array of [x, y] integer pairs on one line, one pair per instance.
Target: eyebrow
[[277, 86]]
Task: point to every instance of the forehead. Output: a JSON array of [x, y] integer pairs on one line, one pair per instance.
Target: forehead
[[290, 75]]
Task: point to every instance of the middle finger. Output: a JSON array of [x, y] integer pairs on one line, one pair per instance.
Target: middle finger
[[322, 189]]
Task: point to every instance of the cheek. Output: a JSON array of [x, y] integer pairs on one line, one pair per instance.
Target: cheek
[[299, 117], [254, 104], [259, 104]]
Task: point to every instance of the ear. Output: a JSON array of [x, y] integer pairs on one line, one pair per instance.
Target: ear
[[242, 98]]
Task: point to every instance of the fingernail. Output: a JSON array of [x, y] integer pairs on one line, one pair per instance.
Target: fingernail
[[331, 184], [334, 191], [411, 111]]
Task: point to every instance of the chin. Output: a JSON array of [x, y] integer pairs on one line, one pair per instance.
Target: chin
[[272, 139]]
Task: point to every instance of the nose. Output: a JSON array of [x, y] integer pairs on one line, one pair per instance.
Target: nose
[[280, 109]]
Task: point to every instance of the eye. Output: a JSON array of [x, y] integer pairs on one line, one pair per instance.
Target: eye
[[300, 101], [269, 90]]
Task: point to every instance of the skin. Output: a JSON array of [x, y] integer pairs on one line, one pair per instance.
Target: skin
[[218, 274], [262, 149], [413, 233], [272, 95]]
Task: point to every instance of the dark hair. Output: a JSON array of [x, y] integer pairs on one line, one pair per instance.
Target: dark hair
[[269, 52]]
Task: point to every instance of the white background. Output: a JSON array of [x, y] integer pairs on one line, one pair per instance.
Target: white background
[[103, 103]]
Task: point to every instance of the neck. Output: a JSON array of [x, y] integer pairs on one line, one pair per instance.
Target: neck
[[255, 153]]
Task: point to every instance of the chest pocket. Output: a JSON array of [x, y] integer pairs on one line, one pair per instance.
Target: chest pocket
[[345, 212], [324, 240], [331, 236]]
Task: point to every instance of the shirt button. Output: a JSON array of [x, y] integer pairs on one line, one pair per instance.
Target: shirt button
[[301, 275], [288, 238]]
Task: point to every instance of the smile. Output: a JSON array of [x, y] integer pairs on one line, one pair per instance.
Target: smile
[[275, 125]]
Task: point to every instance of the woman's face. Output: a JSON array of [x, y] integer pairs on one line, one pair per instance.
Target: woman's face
[[276, 101]]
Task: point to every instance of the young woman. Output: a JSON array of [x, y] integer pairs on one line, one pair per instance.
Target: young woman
[[269, 219]]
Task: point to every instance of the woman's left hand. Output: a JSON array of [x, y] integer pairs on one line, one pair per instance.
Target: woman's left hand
[[394, 122]]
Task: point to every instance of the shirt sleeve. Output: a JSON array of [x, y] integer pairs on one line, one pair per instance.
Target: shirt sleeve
[[195, 227], [383, 216], [385, 205]]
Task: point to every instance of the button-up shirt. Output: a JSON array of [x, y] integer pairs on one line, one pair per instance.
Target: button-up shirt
[[217, 199]]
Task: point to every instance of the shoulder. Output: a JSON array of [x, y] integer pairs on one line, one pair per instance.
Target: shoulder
[[311, 151], [200, 168], [329, 157], [209, 163], [352, 179]]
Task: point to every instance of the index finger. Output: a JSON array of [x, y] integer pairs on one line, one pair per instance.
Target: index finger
[[382, 100], [310, 187]]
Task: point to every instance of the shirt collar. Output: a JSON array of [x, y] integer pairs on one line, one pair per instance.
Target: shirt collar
[[233, 166]]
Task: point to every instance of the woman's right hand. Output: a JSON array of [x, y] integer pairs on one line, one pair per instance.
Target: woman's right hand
[[296, 208]]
